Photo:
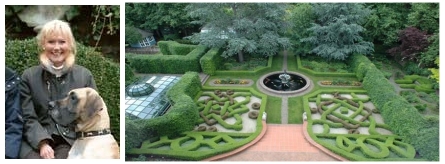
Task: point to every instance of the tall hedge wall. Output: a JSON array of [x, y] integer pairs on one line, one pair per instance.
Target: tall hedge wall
[[399, 114], [174, 64], [211, 61], [181, 117], [21, 54]]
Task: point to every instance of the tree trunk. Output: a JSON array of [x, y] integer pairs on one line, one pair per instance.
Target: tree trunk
[[240, 56], [159, 34]]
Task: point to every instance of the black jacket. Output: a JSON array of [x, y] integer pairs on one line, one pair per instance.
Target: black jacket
[[39, 86], [13, 115]]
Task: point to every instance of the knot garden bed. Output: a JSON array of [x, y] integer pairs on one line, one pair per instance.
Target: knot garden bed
[[348, 124], [224, 125]]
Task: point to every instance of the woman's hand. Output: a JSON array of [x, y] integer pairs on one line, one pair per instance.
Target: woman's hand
[[46, 151]]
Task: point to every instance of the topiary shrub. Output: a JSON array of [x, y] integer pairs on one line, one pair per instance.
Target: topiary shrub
[[202, 128], [256, 105], [253, 114], [212, 129]]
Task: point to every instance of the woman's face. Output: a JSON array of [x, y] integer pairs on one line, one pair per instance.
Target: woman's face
[[56, 48]]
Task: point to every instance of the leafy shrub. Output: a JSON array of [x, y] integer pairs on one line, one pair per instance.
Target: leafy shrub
[[413, 68], [129, 75], [387, 74], [411, 98], [420, 107]]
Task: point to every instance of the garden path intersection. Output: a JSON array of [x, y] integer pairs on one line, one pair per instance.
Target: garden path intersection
[[280, 142]]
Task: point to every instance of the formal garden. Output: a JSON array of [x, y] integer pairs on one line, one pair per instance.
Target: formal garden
[[372, 102]]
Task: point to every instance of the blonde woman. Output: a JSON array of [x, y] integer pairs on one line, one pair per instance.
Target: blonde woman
[[56, 74]]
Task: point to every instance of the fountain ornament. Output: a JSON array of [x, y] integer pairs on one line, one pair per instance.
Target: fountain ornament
[[284, 82]]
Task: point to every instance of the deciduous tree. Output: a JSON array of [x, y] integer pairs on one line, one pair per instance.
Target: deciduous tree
[[413, 42]]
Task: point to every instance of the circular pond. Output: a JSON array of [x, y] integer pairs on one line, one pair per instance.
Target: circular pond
[[284, 83]]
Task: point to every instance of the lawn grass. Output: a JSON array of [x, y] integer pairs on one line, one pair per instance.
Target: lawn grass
[[295, 110], [273, 110]]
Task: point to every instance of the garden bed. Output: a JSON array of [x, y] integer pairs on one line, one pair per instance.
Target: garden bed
[[328, 83], [231, 82]]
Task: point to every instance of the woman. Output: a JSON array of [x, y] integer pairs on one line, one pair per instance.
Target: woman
[[52, 79]]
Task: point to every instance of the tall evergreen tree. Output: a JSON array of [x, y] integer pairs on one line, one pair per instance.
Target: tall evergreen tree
[[301, 18], [254, 28], [337, 30]]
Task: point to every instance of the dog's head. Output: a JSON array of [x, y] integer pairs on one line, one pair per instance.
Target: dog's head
[[78, 106]]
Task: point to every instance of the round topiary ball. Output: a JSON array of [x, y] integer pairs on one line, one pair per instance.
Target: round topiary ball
[[253, 114], [212, 129], [229, 92], [217, 92], [256, 105], [202, 128]]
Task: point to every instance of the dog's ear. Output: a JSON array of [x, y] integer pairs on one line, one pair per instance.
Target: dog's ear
[[94, 104]]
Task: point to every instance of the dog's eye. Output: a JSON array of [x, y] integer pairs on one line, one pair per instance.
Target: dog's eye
[[73, 96]]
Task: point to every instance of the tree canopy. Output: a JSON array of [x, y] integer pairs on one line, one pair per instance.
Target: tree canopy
[[238, 28], [301, 17], [385, 22], [159, 17], [337, 30], [413, 42]]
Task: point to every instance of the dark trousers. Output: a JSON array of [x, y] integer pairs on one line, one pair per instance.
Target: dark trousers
[[60, 146]]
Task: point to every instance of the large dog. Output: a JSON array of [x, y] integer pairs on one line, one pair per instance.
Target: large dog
[[86, 109]]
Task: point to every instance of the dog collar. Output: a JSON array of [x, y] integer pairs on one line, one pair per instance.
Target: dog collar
[[93, 133]]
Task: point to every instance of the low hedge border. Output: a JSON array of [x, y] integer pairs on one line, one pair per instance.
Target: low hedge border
[[321, 74], [206, 139], [343, 144], [258, 71]]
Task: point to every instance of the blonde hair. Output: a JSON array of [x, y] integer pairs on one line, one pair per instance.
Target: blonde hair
[[57, 27]]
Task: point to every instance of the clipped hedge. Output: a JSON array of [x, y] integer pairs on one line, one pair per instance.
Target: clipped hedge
[[22, 54], [189, 84], [174, 64], [360, 64], [129, 75], [424, 84], [211, 61], [201, 147], [321, 74], [400, 115], [175, 48], [347, 145], [181, 117], [239, 73]]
